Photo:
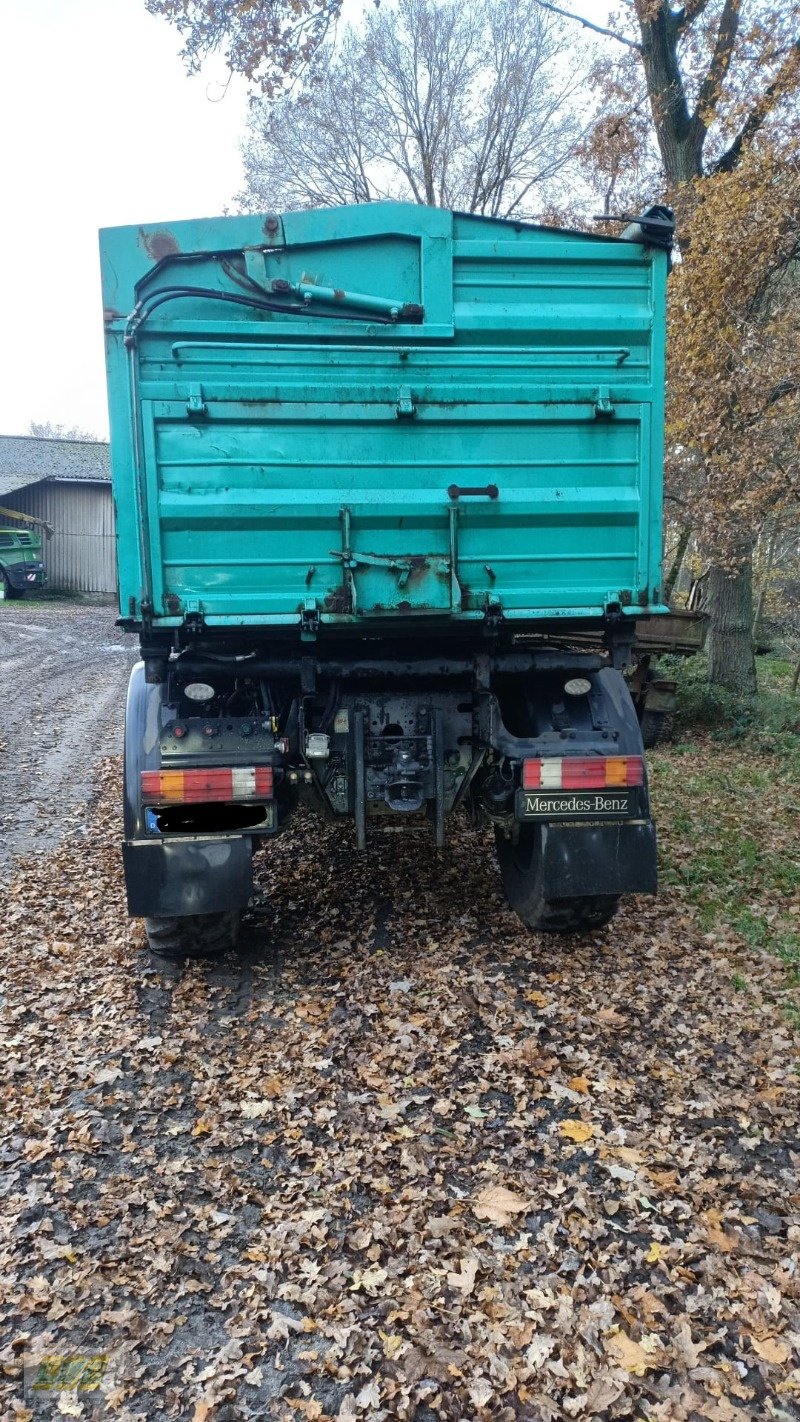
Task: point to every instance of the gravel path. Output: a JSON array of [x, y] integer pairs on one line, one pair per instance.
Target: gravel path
[[64, 670]]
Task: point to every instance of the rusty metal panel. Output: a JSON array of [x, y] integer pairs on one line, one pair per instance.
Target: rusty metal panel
[[80, 557]]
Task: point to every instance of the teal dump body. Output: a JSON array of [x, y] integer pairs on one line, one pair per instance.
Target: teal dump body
[[384, 413]]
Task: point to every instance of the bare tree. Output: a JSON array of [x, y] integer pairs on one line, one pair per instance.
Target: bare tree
[[271, 42], [465, 105], [48, 430]]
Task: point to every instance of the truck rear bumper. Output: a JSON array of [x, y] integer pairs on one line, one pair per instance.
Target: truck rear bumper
[[600, 859], [175, 877]]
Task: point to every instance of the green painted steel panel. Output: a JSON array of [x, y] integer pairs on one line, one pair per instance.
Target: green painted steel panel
[[267, 461]]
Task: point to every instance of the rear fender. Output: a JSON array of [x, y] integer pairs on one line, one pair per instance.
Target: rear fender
[[144, 713], [604, 858], [179, 875]]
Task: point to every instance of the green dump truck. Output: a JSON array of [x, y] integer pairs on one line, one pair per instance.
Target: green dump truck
[[388, 483]]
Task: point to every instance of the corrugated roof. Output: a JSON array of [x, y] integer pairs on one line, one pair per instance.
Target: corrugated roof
[[26, 460]]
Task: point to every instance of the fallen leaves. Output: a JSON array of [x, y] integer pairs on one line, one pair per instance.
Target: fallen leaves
[[368, 1280], [255, 1110], [576, 1130], [499, 1205], [634, 1357], [715, 1233], [772, 1350], [579, 1084], [464, 1279], [376, 1200]]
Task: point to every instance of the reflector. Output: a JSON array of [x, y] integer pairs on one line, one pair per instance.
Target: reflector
[[199, 691]]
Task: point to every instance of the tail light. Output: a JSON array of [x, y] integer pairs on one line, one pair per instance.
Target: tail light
[[594, 772], [185, 787]]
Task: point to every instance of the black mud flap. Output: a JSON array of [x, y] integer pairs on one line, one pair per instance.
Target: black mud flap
[[583, 861], [173, 878]]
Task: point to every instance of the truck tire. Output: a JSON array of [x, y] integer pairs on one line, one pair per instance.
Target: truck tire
[[199, 935], [12, 594], [521, 875], [654, 726]]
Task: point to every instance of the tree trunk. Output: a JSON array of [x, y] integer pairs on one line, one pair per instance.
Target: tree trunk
[[677, 561], [762, 596], [679, 141], [731, 662]]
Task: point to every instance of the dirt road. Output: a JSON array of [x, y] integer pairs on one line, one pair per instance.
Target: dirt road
[[64, 670]]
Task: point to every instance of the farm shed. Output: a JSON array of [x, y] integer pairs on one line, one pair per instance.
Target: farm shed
[[67, 483]]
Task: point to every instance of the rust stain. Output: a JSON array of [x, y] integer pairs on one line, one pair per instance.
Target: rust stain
[[158, 245], [338, 600]]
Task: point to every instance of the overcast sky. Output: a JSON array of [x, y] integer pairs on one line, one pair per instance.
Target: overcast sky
[[99, 126]]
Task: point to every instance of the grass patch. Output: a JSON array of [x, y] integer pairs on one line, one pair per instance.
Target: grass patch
[[46, 597], [728, 818], [769, 721]]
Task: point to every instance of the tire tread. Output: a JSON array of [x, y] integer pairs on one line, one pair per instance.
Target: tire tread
[[205, 935]]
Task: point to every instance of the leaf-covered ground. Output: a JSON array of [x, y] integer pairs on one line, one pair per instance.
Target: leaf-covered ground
[[400, 1159]]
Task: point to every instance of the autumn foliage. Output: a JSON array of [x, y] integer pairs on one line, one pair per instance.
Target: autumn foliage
[[734, 350]]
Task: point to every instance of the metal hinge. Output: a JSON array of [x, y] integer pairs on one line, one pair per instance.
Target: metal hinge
[[603, 408], [196, 406], [405, 409]]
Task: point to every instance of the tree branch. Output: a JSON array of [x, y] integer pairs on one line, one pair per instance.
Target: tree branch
[[719, 64], [786, 387], [689, 12], [589, 25], [760, 111]]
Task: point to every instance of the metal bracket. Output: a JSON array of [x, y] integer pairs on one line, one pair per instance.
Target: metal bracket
[[196, 406], [194, 623], [603, 408], [492, 614], [405, 409], [392, 562], [438, 771], [309, 621], [359, 781]]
